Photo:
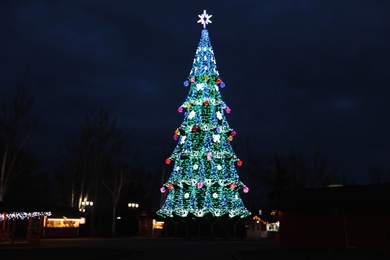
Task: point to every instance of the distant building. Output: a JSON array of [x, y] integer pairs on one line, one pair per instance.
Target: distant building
[[342, 217]]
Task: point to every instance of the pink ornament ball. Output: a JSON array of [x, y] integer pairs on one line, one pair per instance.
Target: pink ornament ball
[[176, 137], [200, 185], [163, 190], [233, 133], [180, 109], [209, 155], [192, 79], [228, 110], [245, 189]]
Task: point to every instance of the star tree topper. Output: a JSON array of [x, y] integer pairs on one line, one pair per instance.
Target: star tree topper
[[204, 18]]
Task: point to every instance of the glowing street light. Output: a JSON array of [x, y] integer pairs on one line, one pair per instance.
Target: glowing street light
[[132, 205], [85, 204]]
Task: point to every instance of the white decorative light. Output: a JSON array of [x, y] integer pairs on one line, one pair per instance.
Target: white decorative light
[[216, 138], [191, 115], [219, 115], [204, 18], [199, 86], [23, 215]]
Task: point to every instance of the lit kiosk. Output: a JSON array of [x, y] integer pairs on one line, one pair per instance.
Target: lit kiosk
[[63, 222]]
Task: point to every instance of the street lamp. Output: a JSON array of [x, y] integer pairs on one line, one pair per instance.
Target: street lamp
[[133, 205], [85, 204]]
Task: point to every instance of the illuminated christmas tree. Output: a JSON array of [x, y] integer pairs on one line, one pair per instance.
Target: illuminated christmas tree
[[204, 179]]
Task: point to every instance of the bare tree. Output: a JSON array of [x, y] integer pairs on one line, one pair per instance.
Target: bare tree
[[116, 171], [307, 173], [379, 176], [15, 129], [276, 174], [97, 165]]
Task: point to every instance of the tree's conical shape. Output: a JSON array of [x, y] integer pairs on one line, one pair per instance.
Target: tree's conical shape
[[204, 180]]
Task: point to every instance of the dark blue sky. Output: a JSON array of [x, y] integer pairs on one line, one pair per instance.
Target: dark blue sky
[[299, 75]]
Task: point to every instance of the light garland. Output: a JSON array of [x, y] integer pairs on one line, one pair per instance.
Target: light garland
[[23, 215]]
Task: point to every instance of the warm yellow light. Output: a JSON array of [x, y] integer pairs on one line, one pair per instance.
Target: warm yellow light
[[158, 224], [63, 222]]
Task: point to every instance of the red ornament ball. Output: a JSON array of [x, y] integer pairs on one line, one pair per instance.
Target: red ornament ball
[[233, 186], [239, 163], [170, 186], [168, 161], [194, 128]]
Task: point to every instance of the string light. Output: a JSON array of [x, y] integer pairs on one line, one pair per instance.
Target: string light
[[24, 215]]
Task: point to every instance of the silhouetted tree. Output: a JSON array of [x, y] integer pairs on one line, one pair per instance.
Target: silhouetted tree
[[307, 173], [31, 186], [97, 166], [117, 170], [15, 129], [378, 175], [259, 172], [280, 175], [282, 181]]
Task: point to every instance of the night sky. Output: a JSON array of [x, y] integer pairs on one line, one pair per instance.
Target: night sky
[[299, 75]]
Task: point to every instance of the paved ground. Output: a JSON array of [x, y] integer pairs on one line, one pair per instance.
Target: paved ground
[[161, 249]]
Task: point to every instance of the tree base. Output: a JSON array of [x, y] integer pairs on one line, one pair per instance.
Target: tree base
[[205, 228]]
